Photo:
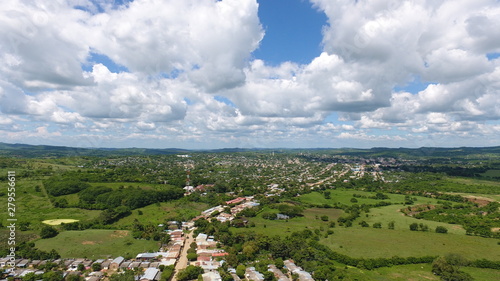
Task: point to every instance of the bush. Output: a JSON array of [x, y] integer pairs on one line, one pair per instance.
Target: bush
[[441, 229], [414, 226], [377, 225], [192, 256], [48, 232]]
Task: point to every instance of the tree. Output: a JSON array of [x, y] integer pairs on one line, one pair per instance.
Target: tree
[[324, 218], [192, 256], [74, 277], [96, 267], [279, 263], [48, 232], [414, 226], [189, 273], [81, 267], [52, 276], [364, 224], [448, 268], [391, 224], [269, 276], [240, 271], [377, 225], [441, 229]]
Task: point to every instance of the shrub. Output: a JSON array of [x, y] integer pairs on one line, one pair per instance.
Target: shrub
[[441, 229], [48, 232]]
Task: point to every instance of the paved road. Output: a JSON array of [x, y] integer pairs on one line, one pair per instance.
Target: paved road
[[183, 261]]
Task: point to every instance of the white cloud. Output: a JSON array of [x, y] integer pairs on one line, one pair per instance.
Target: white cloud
[[190, 77]]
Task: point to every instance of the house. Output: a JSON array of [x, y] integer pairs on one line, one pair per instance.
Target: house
[[253, 274], [134, 265], [303, 275], [145, 256], [211, 276], [105, 264], [23, 263], [280, 276], [151, 274], [116, 263]]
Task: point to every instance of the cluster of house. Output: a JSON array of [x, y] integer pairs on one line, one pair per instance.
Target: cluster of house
[[239, 204], [200, 188], [209, 257], [252, 274], [149, 262], [72, 266]]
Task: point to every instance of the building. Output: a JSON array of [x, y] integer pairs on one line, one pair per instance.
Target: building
[[252, 274], [115, 264], [151, 274], [211, 276], [280, 276]]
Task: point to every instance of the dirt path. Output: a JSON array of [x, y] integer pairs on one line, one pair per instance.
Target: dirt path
[[183, 261]]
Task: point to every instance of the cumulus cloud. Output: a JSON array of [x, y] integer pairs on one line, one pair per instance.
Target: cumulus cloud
[[186, 73]]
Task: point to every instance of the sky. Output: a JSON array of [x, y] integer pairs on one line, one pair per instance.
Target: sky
[[201, 74]]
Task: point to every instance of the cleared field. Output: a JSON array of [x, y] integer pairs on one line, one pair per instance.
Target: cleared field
[[373, 243], [34, 207], [159, 212], [96, 243], [415, 272], [310, 220], [390, 213], [344, 196]]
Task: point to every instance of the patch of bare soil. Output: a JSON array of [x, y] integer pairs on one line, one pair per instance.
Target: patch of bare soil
[[413, 210], [481, 201], [88, 243], [119, 233]]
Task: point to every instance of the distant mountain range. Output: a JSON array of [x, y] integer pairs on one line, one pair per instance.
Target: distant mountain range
[[32, 151]]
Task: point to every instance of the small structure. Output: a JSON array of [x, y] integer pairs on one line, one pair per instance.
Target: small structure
[[211, 276], [253, 274], [151, 274], [115, 264]]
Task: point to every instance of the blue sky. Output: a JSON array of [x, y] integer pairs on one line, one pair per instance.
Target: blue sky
[[250, 73], [293, 31]]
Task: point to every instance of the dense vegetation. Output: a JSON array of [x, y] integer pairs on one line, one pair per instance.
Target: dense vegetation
[[311, 203]]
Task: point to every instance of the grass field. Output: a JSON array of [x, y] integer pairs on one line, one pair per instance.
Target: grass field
[[374, 243], [345, 195], [159, 212], [310, 220], [96, 243], [357, 241], [34, 207], [415, 272]]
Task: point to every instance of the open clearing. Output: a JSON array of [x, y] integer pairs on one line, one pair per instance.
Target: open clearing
[[58, 221], [96, 243], [374, 243]]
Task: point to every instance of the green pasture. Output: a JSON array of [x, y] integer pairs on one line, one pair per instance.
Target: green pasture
[[34, 207], [159, 212], [310, 220], [96, 243], [390, 213], [468, 185], [116, 185], [415, 272], [373, 243], [344, 196]]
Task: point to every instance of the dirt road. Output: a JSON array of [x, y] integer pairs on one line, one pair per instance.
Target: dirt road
[[183, 261]]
